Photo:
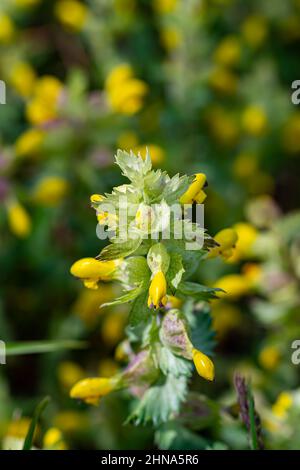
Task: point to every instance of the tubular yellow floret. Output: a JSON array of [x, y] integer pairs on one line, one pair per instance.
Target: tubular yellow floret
[[226, 239], [195, 192], [92, 389], [204, 365], [157, 291], [90, 271]]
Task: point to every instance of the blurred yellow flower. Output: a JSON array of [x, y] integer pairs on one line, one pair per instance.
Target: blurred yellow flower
[[245, 165], [43, 106], [226, 240], [127, 140], [247, 235], [69, 373], [92, 389], [223, 126], [19, 427], [254, 120], [22, 78], [156, 153], [234, 285], [269, 357], [107, 367], [255, 30], [26, 3], [53, 440], [89, 300], [282, 405], [71, 13], [225, 318], [228, 52], [7, 28], [19, 220], [164, 6], [223, 81], [50, 190], [29, 143], [71, 421], [171, 37], [124, 92], [112, 328], [291, 134]]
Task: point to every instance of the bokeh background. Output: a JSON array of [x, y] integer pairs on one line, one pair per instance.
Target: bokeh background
[[206, 86]]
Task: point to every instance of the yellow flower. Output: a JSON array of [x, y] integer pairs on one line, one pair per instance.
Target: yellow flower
[[91, 271], [43, 106], [228, 52], [291, 134], [69, 373], [29, 143], [195, 192], [226, 317], [204, 365], [234, 285], [223, 126], [7, 28], [22, 78], [226, 239], [96, 198], [223, 81], [125, 93], [71, 13], [246, 237], [53, 440], [92, 389], [269, 357], [171, 38], [282, 405], [156, 153], [254, 120], [255, 30], [19, 220], [157, 291], [164, 6], [252, 272], [50, 190], [18, 428], [70, 421]]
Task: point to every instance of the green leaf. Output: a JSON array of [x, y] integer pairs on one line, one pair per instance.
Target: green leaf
[[201, 333], [175, 271], [37, 347], [119, 250], [174, 436], [139, 317], [198, 291], [129, 296], [36, 416], [253, 431], [132, 166], [135, 271], [176, 187], [161, 401], [171, 364]]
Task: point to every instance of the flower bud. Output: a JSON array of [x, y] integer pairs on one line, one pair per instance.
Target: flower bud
[[173, 334], [204, 366], [195, 192], [157, 291], [92, 389], [91, 271]]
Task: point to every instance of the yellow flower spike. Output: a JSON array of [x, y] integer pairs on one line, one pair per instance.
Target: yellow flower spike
[[226, 239], [29, 143], [92, 389], [91, 270], [204, 365], [19, 220], [195, 192], [50, 191], [157, 291], [72, 14], [96, 198], [22, 78], [53, 440]]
